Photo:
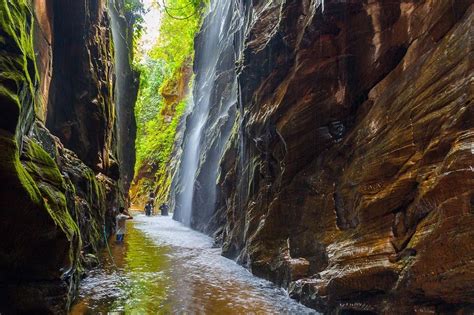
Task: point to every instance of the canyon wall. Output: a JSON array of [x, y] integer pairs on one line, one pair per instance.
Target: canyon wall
[[58, 165], [209, 121], [347, 177], [126, 89]]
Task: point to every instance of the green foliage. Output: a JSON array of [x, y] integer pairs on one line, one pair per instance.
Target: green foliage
[[178, 28], [164, 68], [135, 8], [152, 76], [134, 11], [158, 140]]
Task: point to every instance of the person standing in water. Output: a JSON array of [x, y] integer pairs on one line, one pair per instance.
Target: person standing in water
[[151, 202], [164, 209], [120, 220], [148, 209]]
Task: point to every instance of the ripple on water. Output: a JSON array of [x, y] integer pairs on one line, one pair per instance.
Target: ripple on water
[[164, 267]]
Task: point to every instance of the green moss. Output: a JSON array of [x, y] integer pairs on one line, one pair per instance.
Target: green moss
[[17, 59], [94, 211], [13, 173], [156, 149], [33, 191], [44, 170], [39, 162], [53, 190], [35, 184]]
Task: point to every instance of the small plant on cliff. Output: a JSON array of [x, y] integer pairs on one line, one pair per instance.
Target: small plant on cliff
[[134, 10]]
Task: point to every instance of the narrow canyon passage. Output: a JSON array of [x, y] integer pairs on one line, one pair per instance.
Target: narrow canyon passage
[[323, 148], [166, 268]]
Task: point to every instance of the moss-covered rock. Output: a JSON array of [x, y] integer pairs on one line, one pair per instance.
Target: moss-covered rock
[[90, 203], [54, 208], [53, 190], [17, 61], [40, 241]]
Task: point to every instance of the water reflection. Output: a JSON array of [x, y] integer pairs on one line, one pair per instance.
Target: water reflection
[[134, 280], [166, 268]]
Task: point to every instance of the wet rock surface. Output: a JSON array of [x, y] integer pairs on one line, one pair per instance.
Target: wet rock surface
[[58, 184], [81, 111], [126, 90], [348, 174], [208, 124]]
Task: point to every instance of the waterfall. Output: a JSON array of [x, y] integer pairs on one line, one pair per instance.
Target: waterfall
[[210, 117]]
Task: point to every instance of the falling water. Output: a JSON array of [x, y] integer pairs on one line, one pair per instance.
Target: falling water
[[189, 166], [210, 118]]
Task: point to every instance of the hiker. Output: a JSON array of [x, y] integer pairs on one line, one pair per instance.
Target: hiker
[[148, 209], [120, 223], [151, 208], [151, 201], [164, 209], [151, 197]]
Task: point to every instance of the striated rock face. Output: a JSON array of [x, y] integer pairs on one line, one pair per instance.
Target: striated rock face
[[58, 183], [348, 176], [126, 90], [209, 122], [80, 110]]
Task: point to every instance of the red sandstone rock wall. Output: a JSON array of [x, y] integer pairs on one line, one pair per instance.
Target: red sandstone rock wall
[[351, 179], [43, 37], [80, 109]]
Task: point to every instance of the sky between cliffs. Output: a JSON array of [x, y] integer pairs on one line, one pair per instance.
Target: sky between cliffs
[[151, 22]]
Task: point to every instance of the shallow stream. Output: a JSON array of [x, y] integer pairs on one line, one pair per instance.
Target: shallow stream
[[164, 267]]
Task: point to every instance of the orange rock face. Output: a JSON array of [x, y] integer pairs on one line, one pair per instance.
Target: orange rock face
[[43, 38], [351, 180], [81, 109]]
